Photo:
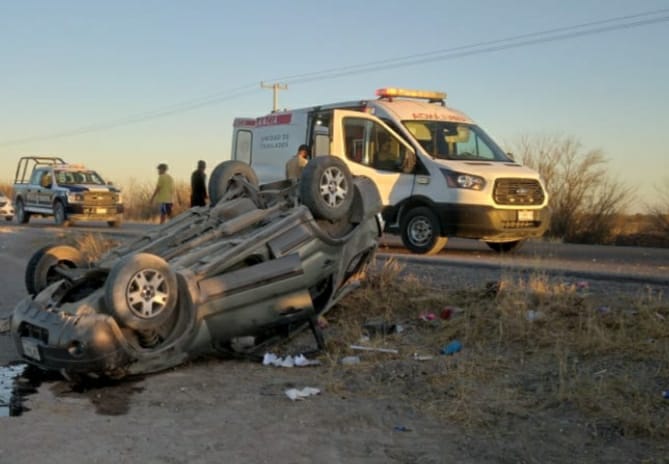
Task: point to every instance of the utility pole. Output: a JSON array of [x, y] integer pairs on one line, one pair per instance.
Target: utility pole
[[275, 92]]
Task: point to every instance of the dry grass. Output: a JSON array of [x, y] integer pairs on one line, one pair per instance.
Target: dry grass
[[531, 345], [92, 245]]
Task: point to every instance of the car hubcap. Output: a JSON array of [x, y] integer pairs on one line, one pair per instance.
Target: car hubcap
[[147, 293], [333, 187], [420, 231]]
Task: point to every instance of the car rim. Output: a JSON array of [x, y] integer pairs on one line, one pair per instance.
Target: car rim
[[333, 187], [420, 231], [147, 293]]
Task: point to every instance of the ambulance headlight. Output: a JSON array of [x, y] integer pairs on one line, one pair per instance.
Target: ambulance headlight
[[461, 180]]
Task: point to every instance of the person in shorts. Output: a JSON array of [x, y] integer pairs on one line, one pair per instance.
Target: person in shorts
[[164, 193]]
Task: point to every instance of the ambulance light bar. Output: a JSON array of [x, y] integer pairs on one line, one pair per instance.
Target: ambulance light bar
[[390, 92]]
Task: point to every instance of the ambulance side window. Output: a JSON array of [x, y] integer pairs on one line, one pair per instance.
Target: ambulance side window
[[243, 146], [369, 143]]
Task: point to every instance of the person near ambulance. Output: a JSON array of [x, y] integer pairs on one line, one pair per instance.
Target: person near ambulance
[[295, 165]]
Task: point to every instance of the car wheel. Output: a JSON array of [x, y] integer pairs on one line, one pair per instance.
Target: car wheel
[[9, 218], [22, 217], [59, 216], [115, 224], [421, 232], [141, 291], [222, 178], [505, 247], [42, 266], [326, 188]]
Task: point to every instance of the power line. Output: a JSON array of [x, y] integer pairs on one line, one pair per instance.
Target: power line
[[517, 41]]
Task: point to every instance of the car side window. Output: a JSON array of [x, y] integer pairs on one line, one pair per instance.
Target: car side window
[[370, 144]]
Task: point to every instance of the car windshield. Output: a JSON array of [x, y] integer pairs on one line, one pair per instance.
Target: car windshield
[[69, 177], [455, 141]]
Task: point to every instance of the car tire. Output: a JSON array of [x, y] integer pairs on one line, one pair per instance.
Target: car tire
[[421, 232], [115, 224], [22, 216], [222, 175], [9, 218], [59, 214], [505, 247], [141, 291], [326, 188], [40, 271]]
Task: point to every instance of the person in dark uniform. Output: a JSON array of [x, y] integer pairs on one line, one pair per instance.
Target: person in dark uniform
[[198, 185]]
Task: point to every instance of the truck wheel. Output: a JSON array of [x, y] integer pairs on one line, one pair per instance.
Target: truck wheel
[[59, 215], [221, 178], [41, 270], [421, 232], [141, 291], [505, 247], [116, 223], [22, 216], [326, 188]]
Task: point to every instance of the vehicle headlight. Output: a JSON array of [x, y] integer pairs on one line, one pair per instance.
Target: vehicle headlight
[[461, 180], [75, 197]]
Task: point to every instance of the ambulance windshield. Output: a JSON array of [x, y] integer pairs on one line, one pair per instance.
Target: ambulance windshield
[[455, 141]]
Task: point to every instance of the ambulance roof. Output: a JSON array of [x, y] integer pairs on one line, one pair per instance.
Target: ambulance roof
[[411, 109]]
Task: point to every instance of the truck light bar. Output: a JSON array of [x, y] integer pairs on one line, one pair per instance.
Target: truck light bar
[[390, 92]]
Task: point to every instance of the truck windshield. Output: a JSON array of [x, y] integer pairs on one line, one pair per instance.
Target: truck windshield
[[69, 177], [455, 141]]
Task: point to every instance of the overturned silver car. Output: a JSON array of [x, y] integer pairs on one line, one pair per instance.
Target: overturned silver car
[[259, 264]]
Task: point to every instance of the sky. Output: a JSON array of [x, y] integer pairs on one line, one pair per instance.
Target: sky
[[122, 86]]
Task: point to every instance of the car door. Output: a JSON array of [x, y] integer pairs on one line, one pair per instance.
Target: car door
[[372, 149]]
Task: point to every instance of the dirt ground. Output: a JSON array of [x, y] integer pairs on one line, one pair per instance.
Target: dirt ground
[[384, 409]]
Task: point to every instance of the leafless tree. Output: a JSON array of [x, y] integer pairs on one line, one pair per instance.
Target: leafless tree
[[584, 197], [659, 209]]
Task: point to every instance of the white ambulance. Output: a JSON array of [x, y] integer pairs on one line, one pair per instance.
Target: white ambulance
[[439, 174]]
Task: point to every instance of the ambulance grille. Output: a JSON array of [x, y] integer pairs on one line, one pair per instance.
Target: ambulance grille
[[518, 192]]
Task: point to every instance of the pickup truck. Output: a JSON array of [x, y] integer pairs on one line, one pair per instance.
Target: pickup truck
[[48, 186]]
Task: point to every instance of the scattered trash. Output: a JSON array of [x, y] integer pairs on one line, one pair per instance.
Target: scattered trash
[[449, 311], [582, 284], [270, 359], [427, 317], [350, 360], [659, 316], [379, 327], [533, 315], [603, 309], [371, 348], [399, 328], [419, 357], [454, 347], [665, 394], [401, 428], [295, 394], [602, 372]]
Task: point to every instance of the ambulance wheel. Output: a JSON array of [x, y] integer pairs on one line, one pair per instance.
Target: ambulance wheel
[[222, 178], [421, 232], [41, 270], [326, 188]]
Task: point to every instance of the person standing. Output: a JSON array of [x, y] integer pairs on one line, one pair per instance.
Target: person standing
[[164, 193], [198, 185], [296, 164]]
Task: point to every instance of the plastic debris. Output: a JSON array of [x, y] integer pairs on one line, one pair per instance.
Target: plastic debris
[[454, 347], [295, 394], [379, 327], [371, 348], [401, 428], [449, 311], [350, 360], [270, 359], [665, 394], [582, 284], [533, 315], [419, 357], [427, 317]]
